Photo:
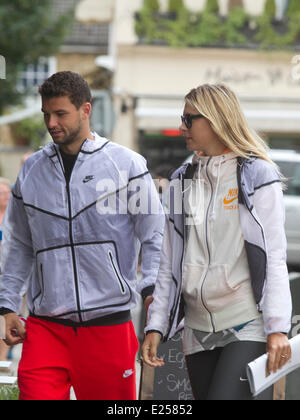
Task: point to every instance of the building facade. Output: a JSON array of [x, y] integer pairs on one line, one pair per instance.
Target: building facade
[[150, 82], [147, 82]]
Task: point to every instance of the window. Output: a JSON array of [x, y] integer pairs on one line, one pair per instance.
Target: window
[[34, 75]]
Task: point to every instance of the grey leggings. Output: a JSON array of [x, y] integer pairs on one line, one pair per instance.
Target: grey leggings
[[220, 374]]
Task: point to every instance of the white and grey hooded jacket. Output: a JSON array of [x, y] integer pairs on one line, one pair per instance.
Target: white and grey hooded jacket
[[82, 238], [262, 224]]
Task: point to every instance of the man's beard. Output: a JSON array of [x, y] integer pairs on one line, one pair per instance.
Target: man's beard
[[71, 138]]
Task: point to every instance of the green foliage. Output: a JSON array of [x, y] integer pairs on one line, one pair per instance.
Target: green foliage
[[9, 393], [294, 28], [187, 28], [146, 25], [32, 130], [152, 5], [270, 9], [174, 31], [27, 32], [209, 31], [267, 35], [212, 6], [235, 22], [175, 6], [293, 8], [147, 21]]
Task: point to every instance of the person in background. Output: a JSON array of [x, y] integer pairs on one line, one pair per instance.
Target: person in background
[[223, 264], [5, 191], [26, 156]]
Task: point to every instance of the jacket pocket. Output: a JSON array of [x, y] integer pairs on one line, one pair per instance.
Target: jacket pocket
[[217, 291], [116, 272], [100, 278], [192, 280]]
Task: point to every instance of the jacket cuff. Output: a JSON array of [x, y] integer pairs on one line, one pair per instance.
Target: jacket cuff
[[148, 291], [5, 311]]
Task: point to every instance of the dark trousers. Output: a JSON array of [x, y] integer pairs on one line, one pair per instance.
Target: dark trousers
[[220, 374]]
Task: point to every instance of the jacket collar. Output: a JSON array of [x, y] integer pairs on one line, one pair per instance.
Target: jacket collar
[[88, 147], [188, 170]]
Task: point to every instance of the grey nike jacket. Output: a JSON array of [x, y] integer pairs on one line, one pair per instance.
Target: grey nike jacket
[[81, 239]]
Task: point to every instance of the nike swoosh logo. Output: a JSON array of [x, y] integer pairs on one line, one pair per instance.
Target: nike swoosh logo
[[88, 179], [229, 201], [128, 373]]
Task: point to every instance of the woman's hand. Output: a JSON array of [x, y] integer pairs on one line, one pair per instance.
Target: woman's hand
[[149, 350], [147, 302], [279, 350]]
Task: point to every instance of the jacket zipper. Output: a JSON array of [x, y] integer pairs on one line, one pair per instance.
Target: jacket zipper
[[117, 273], [173, 310], [73, 251], [42, 285], [208, 249], [71, 236], [71, 233]]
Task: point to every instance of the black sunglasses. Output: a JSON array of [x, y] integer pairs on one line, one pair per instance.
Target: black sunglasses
[[187, 119]]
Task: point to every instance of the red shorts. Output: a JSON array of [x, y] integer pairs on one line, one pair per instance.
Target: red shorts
[[98, 362]]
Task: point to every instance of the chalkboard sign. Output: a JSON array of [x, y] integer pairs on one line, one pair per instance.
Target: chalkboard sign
[[171, 381]]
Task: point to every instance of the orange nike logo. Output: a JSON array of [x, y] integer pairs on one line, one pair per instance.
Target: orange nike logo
[[229, 201], [232, 195]]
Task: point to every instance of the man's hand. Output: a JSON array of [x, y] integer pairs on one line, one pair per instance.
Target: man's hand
[[14, 329], [149, 350], [279, 350]]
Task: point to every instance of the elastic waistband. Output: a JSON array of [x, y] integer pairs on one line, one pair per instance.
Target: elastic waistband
[[105, 321]]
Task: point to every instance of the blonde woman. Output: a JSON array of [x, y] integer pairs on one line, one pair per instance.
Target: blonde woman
[[223, 264]]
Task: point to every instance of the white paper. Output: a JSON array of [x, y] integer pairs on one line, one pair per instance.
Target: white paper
[[257, 370], [2, 327]]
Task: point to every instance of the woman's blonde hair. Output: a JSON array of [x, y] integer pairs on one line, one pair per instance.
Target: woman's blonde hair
[[221, 107]]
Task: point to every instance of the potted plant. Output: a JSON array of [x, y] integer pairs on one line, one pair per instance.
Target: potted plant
[[29, 132]]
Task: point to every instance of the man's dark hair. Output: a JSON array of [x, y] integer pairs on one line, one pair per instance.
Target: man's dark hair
[[67, 83]]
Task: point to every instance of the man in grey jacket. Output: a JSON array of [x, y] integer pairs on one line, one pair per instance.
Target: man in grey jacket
[[81, 210]]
